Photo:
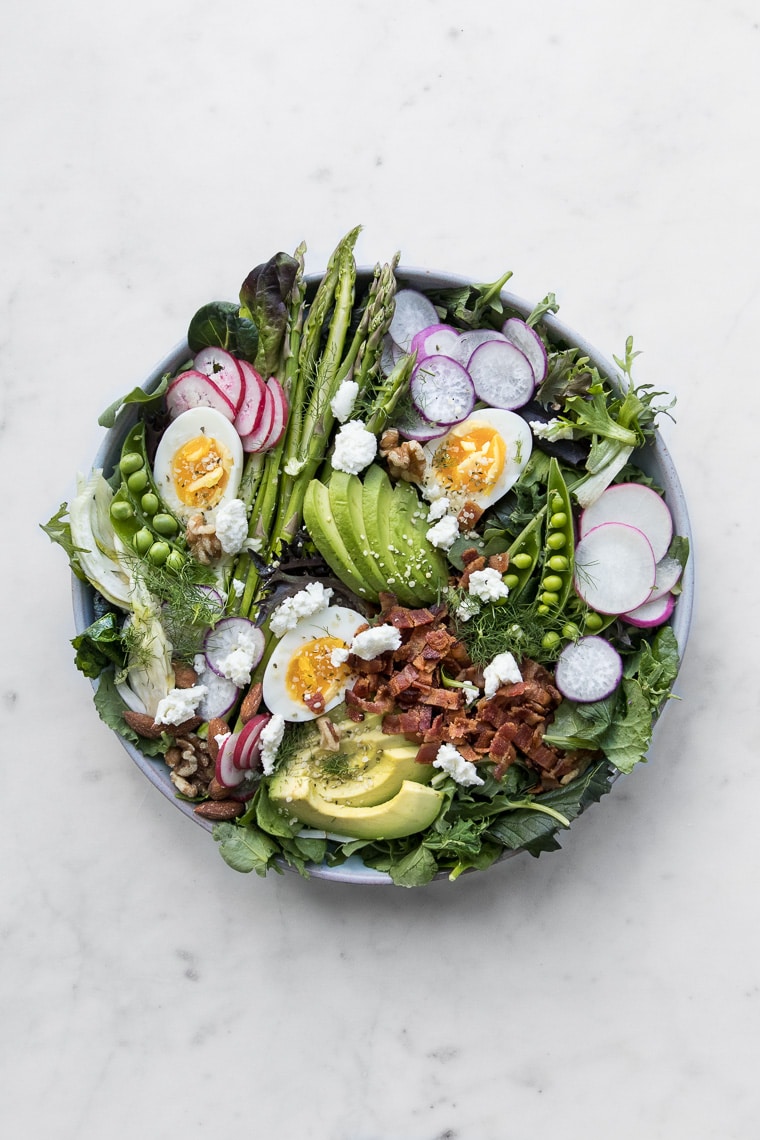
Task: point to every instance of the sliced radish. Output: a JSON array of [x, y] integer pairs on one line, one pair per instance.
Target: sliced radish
[[636, 505], [437, 340], [245, 755], [387, 359], [280, 415], [588, 670], [229, 636], [652, 613], [225, 771], [667, 573], [193, 389], [502, 375], [256, 438], [614, 568], [441, 390], [413, 425], [224, 369], [413, 312], [251, 408], [471, 340], [221, 696], [528, 341]]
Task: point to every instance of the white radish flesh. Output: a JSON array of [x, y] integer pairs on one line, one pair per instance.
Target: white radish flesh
[[667, 573], [635, 505], [413, 425], [245, 755], [225, 771], [528, 341], [652, 613], [413, 312], [280, 416], [614, 568], [441, 390], [193, 389], [221, 696], [255, 440], [223, 368], [229, 635], [438, 340], [502, 375], [588, 670], [471, 340]]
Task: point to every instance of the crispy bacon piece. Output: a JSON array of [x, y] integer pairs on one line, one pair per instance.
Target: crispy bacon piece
[[499, 562]]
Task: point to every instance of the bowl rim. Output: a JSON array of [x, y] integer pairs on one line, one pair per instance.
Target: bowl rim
[[655, 456]]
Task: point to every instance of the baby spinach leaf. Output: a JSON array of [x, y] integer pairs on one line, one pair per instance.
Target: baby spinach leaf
[[245, 849], [219, 324], [99, 646], [414, 869]]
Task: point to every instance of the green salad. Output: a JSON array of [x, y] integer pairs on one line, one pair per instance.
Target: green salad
[[379, 574]]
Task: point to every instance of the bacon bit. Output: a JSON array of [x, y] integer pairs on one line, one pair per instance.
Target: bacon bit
[[469, 555], [468, 516], [314, 701], [443, 698], [499, 562], [470, 568]]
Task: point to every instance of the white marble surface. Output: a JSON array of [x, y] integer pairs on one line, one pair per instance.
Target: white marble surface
[[154, 152]]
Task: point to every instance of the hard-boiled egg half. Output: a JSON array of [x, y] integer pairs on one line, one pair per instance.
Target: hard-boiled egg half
[[300, 681], [478, 460], [199, 462]]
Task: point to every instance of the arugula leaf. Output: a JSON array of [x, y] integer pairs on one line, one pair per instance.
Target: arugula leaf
[[107, 418], [548, 305], [414, 869], [99, 646], [656, 667], [245, 849], [111, 710], [471, 306], [59, 531]]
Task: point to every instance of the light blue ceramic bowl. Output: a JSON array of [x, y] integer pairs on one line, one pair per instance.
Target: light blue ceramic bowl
[[656, 461]]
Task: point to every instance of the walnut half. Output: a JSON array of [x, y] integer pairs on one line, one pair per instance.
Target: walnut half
[[406, 460]]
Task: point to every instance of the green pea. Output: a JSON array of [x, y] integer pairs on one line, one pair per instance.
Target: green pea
[[552, 582], [558, 520], [165, 524], [159, 552], [131, 462], [550, 639], [570, 631], [522, 561], [542, 609], [593, 621], [175, 561], [121, 510], [558, 562], [557, 503], [138, 481], [511, 581], [556, 541], [149, 503], [143, 540], [549, 598]]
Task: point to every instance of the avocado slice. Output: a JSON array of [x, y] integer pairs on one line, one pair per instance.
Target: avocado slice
[[318, 519], [377, 498], [412, 809], [346, 493], [424, 567]]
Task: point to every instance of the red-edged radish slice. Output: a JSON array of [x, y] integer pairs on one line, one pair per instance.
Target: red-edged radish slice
[[246, 752], [667, 573], [652, 613], [588, 670], [193, 389], [233, 635], [635, 505], [221, 696], [224, 369], [251, 407], [413, 425], [280, 416], [441, 390], [387, 359], [412, 312], [529, 342], [502, 375], [225, 771], [614, 568], [256, 438], [472, 339], [438, 340]]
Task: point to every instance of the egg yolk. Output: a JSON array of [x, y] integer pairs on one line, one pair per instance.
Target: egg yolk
[[201, 471], [470, 459], [311, 678]]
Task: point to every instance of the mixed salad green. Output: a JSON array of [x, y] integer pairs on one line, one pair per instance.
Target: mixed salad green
[[378, 573]]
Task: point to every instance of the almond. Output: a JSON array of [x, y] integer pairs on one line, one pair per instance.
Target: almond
[[217, 791], [217, 726], [183, 729], [220, 809], [184, 675], [144, 725], [251, 702]]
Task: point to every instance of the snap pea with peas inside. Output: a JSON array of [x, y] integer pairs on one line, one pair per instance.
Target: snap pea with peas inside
[[140, 518]]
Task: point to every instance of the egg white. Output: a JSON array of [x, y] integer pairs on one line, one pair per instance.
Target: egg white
[[187, 426], [518, 442], [333, 621]]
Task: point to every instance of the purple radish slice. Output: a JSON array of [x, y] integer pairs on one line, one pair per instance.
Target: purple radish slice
[[251, 408], [438, 340], [224, 370], [413, 425], [413, 311], [193, 389], [280, 413], [652, 613], [245, 755], [636, 505], [225, 771], [529, 342], [472, 339], [259, 435], [502, 375], [441, 390], [229, 635], [387, 361], [667, 573], [588, 670], [614, 568], [221, 696]]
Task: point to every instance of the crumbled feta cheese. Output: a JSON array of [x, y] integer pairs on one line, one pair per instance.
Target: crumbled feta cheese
[[376, 640], [355, 448], [471, 692], [488, 585], [254, 544], [338, 657], [294, 466], [179, 705], [438, 509], [444, 534], [310, 600], [342, 403], [467, 608], [200, 665], [553, 429], [237, 586], [237, 664], [269, 741], [503, 670], [231, 525], [451, 761]]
